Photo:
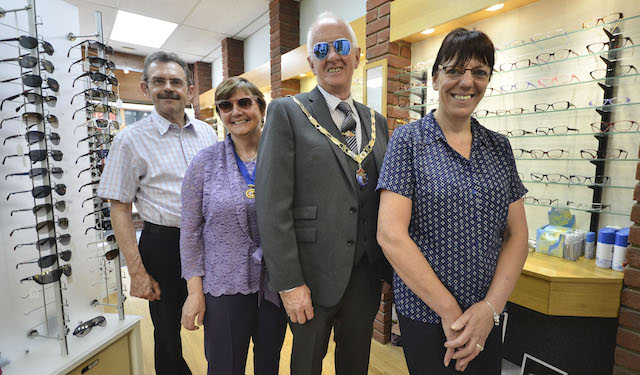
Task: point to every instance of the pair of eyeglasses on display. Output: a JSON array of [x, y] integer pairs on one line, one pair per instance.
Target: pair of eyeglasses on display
[[561, 79], [589, 180], [535, 37], [28, 61], [93, 44], [100, 138], [556, 130], [482, 113], [104, 225], [48, 260], [226, 106], [481, 73], [612, 153], [551, 177], [602, 20], [90, 94], [525, 63], [539, 154], [84, 328], [35, 136], [559, 55], [492, 91], [29, 42], [512, 111], [515, 132], [101, 154], [341, 46], [95, 170], [557, 106], [97, 201], [39, 172], [44, 208], [33, 80], [520, 86], [110, 239], [541, 201], [45, 227], [97, 108], [38, 155], [88, 184], [587, 206], [99, 123], [50, 276], [32, 98], [47, 243], [607, 46], [97, 77], [619, 126], [43, 191], [105, 211], [96, 62], [618, 71], [610, 101], [32, 119]]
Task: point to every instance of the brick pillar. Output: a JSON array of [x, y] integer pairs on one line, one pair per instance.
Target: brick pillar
[[232, 57], [284, 20], [203, 83], [627, 354], [398, 55]]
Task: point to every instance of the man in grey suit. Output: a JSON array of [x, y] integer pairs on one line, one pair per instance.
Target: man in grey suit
[[318, 165]]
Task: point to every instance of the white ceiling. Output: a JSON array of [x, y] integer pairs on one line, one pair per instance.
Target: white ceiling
[[202, 24]]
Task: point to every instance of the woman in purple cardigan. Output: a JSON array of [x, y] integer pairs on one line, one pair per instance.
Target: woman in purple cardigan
[[220, 244]]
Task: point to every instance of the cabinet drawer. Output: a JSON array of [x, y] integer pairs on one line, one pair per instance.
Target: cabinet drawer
[[114, 359]]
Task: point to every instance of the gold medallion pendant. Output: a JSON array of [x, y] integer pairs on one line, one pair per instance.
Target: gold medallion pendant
[[251, 191]]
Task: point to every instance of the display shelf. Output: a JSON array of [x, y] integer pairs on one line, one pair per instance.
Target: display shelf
[[567, 34], [591, 211], [546, 159], [570, 135], [601, 107], [581, 185]]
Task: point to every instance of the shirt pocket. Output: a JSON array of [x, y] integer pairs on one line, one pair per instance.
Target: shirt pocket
[[305, 223]]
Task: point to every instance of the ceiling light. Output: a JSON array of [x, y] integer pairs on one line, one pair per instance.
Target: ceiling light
[[303, 75], [495, 7], [428, 31], [125, 71], [141, 30]]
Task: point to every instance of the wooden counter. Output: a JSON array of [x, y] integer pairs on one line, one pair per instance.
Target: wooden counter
[[555, 286]]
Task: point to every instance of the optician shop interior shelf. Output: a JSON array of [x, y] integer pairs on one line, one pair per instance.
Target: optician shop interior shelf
[[581, 185], [418, 90], [605, 108], [561, 159], [571, 134], [589, 210]]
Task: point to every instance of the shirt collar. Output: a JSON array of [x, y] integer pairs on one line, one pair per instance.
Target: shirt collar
[[333, 101], [432, 131], [162, 124]]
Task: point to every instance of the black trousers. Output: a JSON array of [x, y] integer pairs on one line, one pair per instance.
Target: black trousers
[[230, 322], [160, 251], [352, 323], [423, 346]]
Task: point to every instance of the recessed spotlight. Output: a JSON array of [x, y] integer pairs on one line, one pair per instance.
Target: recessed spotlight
[[428, 31], [303, 75], [125, 71], [495, 7]]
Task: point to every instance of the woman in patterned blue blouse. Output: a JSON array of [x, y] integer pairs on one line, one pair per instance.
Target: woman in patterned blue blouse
[[452, 220]]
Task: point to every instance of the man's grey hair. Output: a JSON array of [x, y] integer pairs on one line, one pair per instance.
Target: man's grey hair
[[166, 57], [327, 15]]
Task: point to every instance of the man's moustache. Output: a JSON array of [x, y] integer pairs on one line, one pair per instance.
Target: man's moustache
[[168, 96]]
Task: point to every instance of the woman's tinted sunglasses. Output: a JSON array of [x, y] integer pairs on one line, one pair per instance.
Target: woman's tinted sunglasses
[[226, 106]]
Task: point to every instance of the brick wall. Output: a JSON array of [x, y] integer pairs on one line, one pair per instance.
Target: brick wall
[[627, 354], [203, 82], [284, 21], [232, 57]]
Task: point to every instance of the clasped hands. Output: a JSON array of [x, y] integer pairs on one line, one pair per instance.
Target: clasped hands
[[466, 336]]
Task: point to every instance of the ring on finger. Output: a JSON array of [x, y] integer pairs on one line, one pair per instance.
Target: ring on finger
[[480, 347]]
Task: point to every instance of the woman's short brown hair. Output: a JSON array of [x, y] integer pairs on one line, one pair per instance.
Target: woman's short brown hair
[[227, 88], [462, 45]]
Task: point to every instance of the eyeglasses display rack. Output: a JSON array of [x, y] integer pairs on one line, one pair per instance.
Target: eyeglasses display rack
[[99, 136], [542, 93]]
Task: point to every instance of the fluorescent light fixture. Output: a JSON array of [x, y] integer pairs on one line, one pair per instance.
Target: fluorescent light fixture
[[495, 7], [143, 31], [428, 31]]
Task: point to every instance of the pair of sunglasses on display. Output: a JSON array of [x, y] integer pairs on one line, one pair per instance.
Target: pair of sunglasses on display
[[100, 138], [97, 108], [48, 260], [30, 42], [43, 191], [97, 77], [341, 46], [44, 208], [101, 154], [28, 61], [94, 45], [105, 211], [95, 171], [50, 276], [33, 80], [84, 328], [99, 123], [90, 94], [32, 119], [88, 184], [38, 155], [110, 239], [96, 62], [35, 136], [37, 172], [45, 227], [47, 243], [104, 225], [32, 98]]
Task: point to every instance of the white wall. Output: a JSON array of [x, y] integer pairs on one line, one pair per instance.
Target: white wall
[[257, 48], [216, 71], [310, 9]]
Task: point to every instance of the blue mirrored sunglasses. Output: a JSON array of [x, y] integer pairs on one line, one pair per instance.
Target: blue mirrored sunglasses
[[342, 47]]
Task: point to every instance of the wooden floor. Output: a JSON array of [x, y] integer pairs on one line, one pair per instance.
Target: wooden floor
[[385, 359]]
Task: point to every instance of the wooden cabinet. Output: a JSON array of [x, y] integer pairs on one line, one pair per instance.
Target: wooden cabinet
[[113, 359]]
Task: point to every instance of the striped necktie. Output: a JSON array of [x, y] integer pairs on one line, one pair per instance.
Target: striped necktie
[[348, 127]]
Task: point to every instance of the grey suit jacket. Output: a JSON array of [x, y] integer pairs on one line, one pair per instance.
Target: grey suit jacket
[[306, 195]]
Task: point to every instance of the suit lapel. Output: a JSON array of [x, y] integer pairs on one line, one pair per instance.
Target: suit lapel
[[320, 111], [365, 120]]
